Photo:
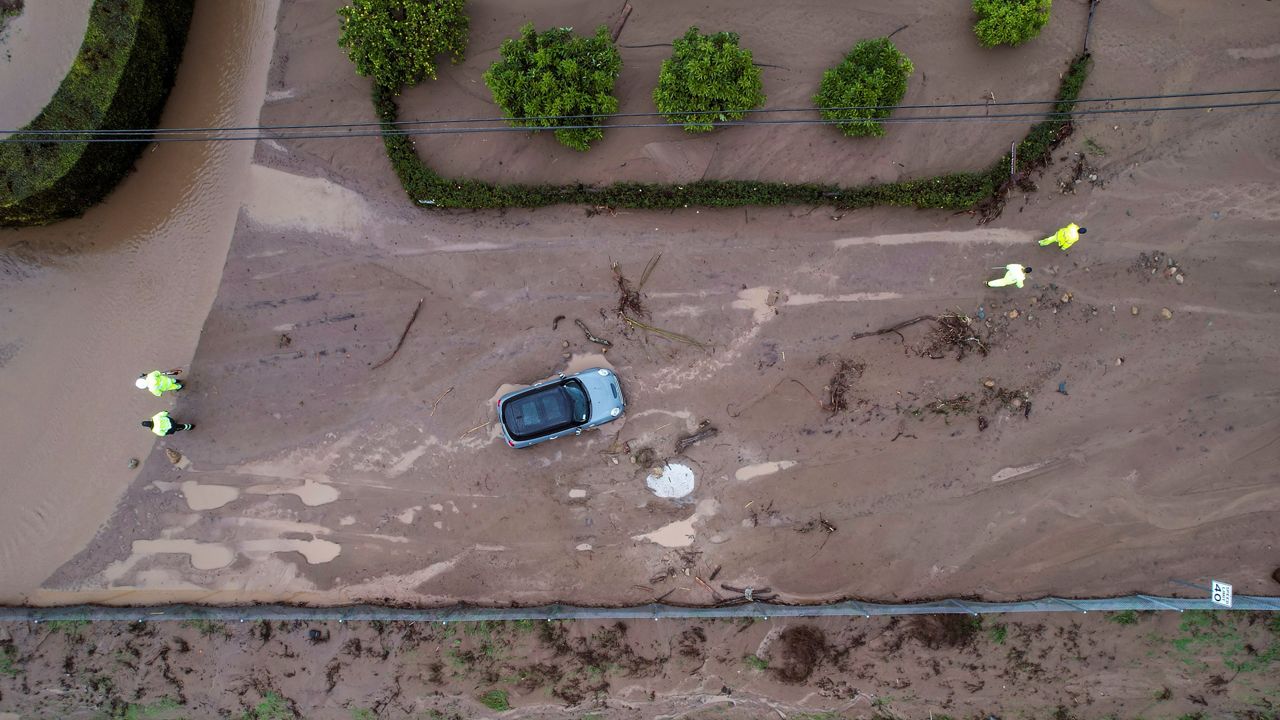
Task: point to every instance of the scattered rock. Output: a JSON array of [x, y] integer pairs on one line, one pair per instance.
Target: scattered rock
[[1179, 278], [583, 547], [1013, 314], [577, 493], [988, 383], [566, 356], [133, 463], [284, 341], [564, 344], [174, 456], [1134, 311], [1066, 297], [1166, 313], [1119, 361]]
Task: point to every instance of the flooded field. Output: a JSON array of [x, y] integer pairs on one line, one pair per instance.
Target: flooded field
[[86, 305]]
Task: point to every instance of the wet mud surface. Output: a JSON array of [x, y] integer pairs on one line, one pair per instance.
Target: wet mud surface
[[1058, 666], [1117, 432], [1103, 430]]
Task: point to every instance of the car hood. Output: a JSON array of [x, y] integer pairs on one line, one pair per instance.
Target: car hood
[[605, 392]]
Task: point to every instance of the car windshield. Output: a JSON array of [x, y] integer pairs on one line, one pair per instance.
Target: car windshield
[[579, 406], [546, 410]]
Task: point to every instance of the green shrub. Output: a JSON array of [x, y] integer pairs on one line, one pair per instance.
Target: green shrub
[[9, 661], [956, 191], [396, 42], [1009, 22], [1124, 617], [545, 78], [496, 700], [119, 80], [755, 662], [872, 77], [709, 74]]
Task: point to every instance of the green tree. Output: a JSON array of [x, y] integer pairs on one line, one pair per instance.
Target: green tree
[[1009, 22], [545, 78], [871, 79], [396, 42], [709, 74]]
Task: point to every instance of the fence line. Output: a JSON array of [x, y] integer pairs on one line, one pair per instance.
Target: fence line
[[655, 611]]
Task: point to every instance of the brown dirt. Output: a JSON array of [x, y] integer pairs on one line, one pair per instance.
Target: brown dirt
[[796, 653], [318, 454], [314, 477], [1163, 665]]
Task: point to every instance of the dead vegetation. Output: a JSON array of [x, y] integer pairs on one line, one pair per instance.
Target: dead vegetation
[[954, 332], [796, 653], [944, 631], [847, 373]]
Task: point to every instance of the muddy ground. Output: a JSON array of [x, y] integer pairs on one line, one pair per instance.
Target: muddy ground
[[1118, 431], [1196, 665]]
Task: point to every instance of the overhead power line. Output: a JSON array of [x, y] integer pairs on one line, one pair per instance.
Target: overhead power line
[[268, 132], [539, 118]]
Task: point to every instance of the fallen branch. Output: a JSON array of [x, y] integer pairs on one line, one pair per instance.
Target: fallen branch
[[894, 328], [591, 336], [482, 425], [438, 399], [664, 333], [705, 430], [626, 13], [714, 595], [403, 335], [648, 270]]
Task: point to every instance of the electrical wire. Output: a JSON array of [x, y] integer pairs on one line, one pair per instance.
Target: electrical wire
[[34, 137], [540, 118]]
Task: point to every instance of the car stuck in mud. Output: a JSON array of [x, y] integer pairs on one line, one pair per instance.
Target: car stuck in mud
[[566, 405]]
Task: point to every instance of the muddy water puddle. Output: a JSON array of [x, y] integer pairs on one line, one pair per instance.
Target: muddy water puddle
[[36, 51], [121, 290]]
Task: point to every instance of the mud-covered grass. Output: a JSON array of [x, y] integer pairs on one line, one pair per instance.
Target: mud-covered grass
[[119, 80], [1160, 665], [983, 191]]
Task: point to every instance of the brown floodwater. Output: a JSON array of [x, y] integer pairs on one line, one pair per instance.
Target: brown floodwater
[[88, 304], [36, 50]]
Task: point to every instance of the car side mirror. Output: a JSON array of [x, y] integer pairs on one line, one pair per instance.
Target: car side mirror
[[577, 432]]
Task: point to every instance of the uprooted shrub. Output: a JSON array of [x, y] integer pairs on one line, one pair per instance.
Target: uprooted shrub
[[707, 79], [1009, 22], [396, 42], [864, 87], [556, 79]]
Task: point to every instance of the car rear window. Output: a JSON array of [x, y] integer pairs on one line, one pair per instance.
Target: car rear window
[[546, 410]]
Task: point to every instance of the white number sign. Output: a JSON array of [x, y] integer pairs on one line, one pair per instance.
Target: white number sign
[[1221, 594]]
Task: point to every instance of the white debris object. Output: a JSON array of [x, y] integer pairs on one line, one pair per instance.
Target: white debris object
[[672, 480]]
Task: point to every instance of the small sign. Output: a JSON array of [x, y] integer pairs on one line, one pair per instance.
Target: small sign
[[1220, 594]]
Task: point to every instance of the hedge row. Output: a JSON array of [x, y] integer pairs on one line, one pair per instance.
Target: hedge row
[[957, 191], [119, 80]]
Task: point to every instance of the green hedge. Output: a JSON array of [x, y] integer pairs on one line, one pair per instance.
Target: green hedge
[[119, 80], [957, 191]]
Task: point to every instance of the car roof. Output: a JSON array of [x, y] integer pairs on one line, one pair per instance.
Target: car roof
[[539, 411]]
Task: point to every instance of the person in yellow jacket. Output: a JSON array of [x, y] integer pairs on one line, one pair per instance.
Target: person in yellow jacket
[[158, 382], [1014, 274], [161, 424], [1066, 237]]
